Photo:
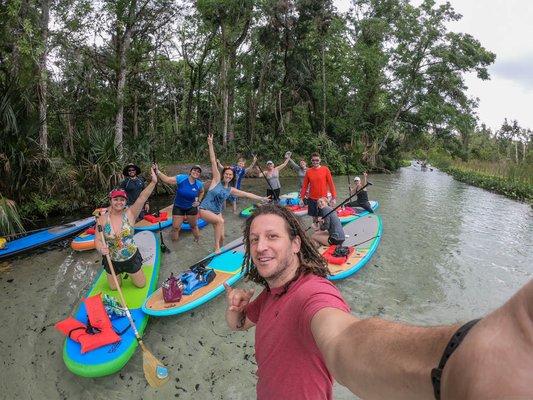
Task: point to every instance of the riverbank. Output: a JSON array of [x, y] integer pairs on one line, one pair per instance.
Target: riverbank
[[512, 181]]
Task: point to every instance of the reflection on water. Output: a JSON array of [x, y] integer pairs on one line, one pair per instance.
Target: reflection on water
[[450, 252]]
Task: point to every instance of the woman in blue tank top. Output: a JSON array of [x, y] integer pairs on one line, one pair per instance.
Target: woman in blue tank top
[[189, 194], [220, 189]]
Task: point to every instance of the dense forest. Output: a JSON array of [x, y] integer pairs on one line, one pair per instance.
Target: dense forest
[[88, 85]]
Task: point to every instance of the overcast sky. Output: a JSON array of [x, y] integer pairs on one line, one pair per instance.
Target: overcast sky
[[504, 27]]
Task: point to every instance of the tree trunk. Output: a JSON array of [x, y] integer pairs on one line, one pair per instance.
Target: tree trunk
[[323, 88], [224, 94], [123, 44], [176, 117], [70, 134], [42, 86], [135, 116]]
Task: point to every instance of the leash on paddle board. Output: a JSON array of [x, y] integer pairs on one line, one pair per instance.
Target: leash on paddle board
[[163, 246], [154, 371], [368, 183], [364, 241], [264, 176]]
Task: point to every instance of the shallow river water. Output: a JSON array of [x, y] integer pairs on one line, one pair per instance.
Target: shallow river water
[[450, 252]]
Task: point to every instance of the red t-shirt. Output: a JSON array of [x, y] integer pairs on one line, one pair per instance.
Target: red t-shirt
[[319, 181], [289, 363]]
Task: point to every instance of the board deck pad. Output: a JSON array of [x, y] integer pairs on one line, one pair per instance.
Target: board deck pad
[[365, 230], [228, 269]]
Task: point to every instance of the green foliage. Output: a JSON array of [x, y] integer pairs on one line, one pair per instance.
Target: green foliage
[[10, 221]]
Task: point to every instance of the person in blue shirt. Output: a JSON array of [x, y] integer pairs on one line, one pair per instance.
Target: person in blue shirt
[[189, 194], [220, 189], [240, 172]]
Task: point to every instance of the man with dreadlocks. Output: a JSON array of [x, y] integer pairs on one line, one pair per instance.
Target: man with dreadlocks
[[305, 334], [281, 257]]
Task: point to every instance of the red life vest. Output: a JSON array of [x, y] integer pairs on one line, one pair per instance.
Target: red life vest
[[97, 333], [344, 212], [163, 216], [330, 258]]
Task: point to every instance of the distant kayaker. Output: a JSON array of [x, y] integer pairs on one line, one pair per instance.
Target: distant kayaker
[[220, 189], [306, 336], [362, 196], [117, 224], [189, 194], [133, 183], [328, 230], [240, 172]]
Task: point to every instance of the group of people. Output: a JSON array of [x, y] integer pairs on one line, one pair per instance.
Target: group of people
[[306, 335], [192, 200]]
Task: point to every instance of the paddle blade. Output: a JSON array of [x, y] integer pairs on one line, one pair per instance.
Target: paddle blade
[[155, 372]]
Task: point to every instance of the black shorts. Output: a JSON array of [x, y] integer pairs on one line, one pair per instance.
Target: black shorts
[[335, 241], [130, 266], [184, 211], [274, 194], [312, 208]]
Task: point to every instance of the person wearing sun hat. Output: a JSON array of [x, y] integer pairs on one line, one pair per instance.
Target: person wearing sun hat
[[117, 223], [133, 184]]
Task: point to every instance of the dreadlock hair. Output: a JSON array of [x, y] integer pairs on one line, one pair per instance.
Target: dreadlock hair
[[311, 262]]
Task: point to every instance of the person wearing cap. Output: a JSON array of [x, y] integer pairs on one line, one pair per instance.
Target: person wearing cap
[[272, 176], [362, 196], [220, 189], [133, 184], [189, 194], [318, 181], [240, 172], [117, 223]]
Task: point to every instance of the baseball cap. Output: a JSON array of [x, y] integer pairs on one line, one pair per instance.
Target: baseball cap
[[356, 179], [118, 193], [270, 162], [196, 167]]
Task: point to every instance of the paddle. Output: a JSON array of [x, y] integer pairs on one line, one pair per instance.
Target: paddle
[[345, 201], [164, 247], [154, 371], [264, 176]]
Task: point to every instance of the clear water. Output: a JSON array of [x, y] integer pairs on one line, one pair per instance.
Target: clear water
[[450, 252]]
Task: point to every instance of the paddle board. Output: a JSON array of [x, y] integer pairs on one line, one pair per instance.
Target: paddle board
[[144, 225], [84, 241], [228, 269], [359, 212], [365, 232], [111, 358], [44, 237]]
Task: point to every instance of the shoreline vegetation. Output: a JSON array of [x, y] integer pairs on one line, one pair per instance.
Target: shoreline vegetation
[[514, 181]]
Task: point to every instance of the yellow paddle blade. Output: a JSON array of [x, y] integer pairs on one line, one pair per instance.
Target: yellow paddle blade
[[154, 371]]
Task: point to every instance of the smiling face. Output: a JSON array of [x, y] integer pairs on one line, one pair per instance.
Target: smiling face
[[303, 164], [195, 173], [118, 203], [227, 175], [315, 161], [241, 162], [322, 202], [274, 253]]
